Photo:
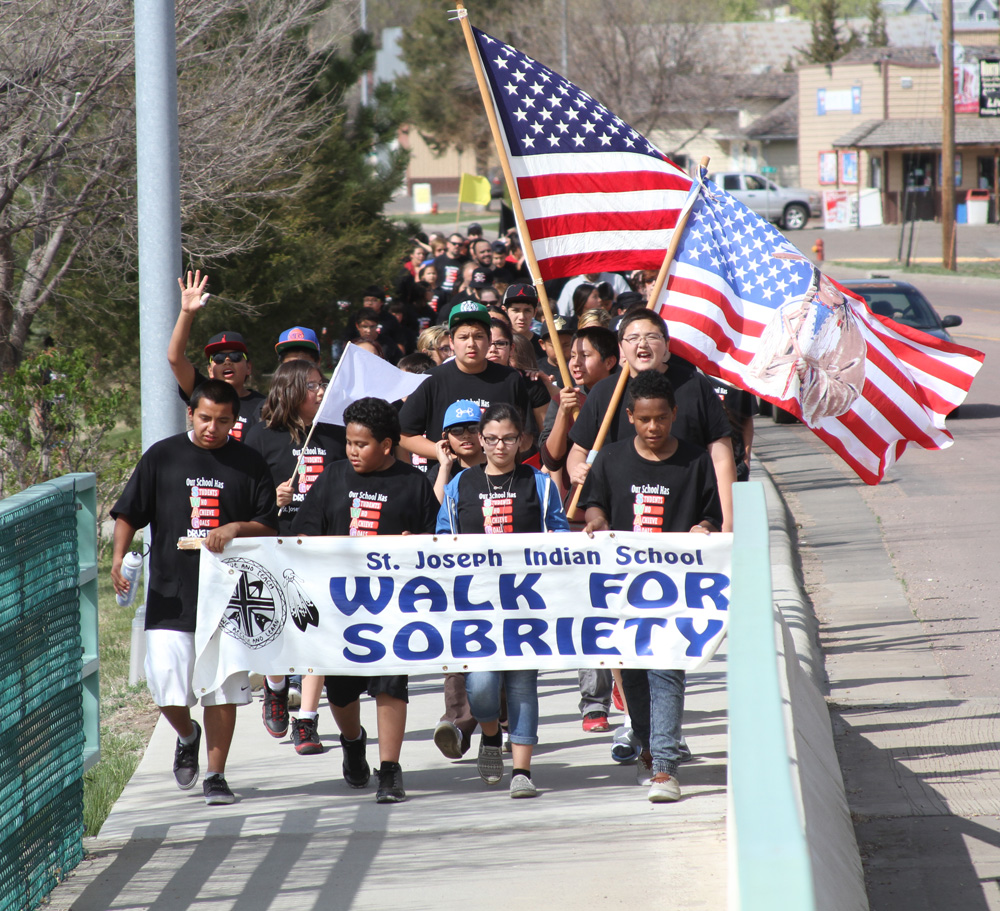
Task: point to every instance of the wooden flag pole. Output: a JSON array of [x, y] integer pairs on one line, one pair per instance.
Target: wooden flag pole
[[522, 226], [623, 377]]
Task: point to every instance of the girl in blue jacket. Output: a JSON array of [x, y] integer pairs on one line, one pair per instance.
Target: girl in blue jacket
[[503, 497]]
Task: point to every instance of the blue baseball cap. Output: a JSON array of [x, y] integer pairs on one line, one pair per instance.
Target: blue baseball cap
[[297, 337], [461, 412]]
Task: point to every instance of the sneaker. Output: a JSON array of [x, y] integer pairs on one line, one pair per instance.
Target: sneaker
[[616, 697], [625, 746], [305, 736], [295, 691], [275, 711], [448, 739], [356, 769], [186, 760], [595, 722], [217, 791], [522, 786], [390, 783], [490, 763], [644, 768], [664, 788]]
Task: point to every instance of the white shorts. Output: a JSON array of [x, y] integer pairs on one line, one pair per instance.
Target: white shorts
[[170, 667]]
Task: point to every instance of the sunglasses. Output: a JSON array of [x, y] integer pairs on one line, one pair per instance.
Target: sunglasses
[[464, 430], [220, 357]]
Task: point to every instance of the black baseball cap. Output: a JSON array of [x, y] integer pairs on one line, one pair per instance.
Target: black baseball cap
[[564, 326], [520, 293], [226, 341]]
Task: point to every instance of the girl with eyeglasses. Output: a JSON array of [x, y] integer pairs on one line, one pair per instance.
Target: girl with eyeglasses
[[503, 497], [296, 393]]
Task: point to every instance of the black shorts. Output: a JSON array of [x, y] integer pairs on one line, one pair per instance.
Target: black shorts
[[341, 691]]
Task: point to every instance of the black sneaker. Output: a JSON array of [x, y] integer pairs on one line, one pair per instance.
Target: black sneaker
[[217, 791], [305, 736], [275, 711], [356, 768], [186, 761], [390, 783]]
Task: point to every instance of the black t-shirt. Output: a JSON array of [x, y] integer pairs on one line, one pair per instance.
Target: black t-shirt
[[449, 271], [423, 412], [249, 406], [738, 405], [701, 418], [538, 393], [181, 490], [343, 502], [281, 453], [433, 469], [637, 494], [498, 504]]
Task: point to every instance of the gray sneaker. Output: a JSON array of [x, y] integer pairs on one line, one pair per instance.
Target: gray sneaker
[[664, 788], [625, 746], [217, 791], [448, 739], [186, 760], [522, 786], [490, 763]]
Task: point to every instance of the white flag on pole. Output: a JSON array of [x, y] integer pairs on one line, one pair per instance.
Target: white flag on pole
[[361, 374]]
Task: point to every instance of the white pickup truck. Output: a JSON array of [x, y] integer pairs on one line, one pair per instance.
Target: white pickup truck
[[791, 207]]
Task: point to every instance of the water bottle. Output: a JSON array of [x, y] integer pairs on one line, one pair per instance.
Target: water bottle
[[131, 570]]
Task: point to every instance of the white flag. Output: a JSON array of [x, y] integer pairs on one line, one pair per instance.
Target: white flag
[[361, 374]]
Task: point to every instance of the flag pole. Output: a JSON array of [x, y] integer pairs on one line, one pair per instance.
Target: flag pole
[[522, 226], [623, 376], [458, 213]]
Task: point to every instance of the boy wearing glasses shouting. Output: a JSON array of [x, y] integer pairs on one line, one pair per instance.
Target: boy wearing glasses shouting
[[228, 357]]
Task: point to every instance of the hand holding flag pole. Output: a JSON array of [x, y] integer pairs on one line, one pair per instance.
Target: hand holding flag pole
[[623, 376], [515, 198]]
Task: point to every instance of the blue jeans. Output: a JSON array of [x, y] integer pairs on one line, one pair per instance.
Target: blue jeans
[[522, 701], [656, 708]]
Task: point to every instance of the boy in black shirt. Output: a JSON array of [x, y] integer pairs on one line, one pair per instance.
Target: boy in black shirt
[[372, 493], [653, 483], [227, 353], [197, 484]]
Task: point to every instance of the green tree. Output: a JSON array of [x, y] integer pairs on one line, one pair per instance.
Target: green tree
[[875, 34], [827, 44]]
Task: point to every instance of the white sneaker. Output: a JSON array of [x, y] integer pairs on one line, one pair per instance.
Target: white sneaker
[[664, 788], [522, 786], [448, 739], [644, 769]]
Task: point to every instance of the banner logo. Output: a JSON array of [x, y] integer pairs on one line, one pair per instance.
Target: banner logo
[[256, 611]]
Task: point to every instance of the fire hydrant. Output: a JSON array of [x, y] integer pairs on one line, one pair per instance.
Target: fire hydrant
[[818, 249], [434, 208]]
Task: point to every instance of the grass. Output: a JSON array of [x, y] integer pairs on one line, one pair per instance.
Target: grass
[[489, 220], [987, 269], [127, 712]]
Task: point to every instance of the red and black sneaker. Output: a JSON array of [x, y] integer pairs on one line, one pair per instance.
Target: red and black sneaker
[[595, 722], [305, 736], [616, 697], [275, 711]]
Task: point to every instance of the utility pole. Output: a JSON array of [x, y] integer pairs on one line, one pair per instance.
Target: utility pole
[[159, 207], [947, 137]]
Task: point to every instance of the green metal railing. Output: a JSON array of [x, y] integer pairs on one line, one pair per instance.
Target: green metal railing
[[769, 858], [49, 700]]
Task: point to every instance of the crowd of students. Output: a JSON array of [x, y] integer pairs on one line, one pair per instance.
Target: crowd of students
[[490, 443]]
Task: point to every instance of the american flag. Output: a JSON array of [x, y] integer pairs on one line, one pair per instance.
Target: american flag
[[597, 195], [745, 305]]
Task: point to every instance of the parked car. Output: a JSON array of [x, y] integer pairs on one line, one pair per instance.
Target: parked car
[[901, 302], [791, 207]]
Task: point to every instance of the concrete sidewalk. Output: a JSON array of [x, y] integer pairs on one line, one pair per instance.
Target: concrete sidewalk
[[299, 838]]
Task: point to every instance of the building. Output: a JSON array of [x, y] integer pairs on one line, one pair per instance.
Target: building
[[873, 120]]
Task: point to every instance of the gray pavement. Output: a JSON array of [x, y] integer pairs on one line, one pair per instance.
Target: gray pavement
[[299, 838]]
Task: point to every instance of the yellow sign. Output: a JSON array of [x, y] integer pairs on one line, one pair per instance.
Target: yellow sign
[[475, 190]]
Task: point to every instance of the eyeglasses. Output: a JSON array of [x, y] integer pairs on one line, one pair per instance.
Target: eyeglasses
[[314, 386], [463, 430], [503, 343], [649, 338], [220, 357], [443, 349], [496, 441]]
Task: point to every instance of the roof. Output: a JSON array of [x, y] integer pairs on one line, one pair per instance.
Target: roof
[[912, 55], [780, 123], [905, 133]]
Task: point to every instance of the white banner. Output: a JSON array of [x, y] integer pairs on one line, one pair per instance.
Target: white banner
[[424, 603]]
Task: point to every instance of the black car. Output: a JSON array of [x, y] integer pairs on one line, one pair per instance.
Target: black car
[[901, 302]]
